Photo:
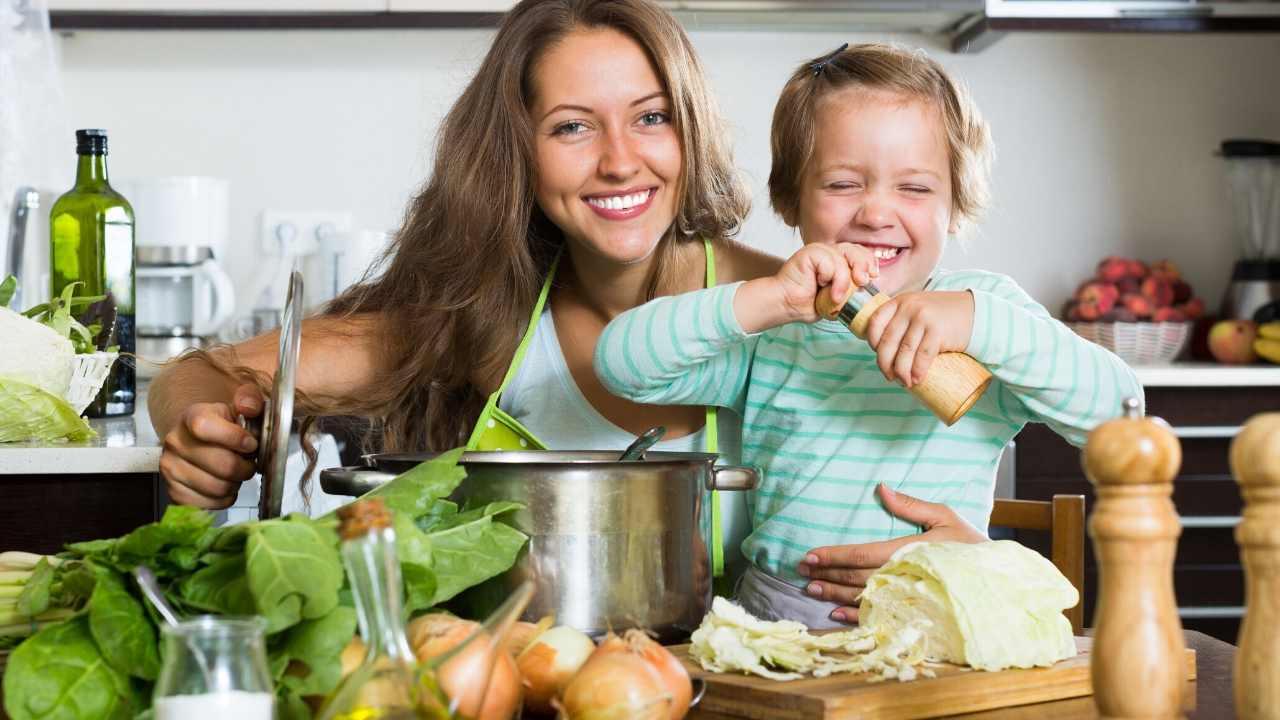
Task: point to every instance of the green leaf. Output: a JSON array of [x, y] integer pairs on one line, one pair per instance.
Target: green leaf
[[29, 413], [413, 550], [221, 587], [417, 490], [95, 549], [441, 511], [291, 706], [7, 289], [120, 626], [293, 569], [34, 598], [59, 673], [181, 526], [77, 582], [318, 644], [470, 548]]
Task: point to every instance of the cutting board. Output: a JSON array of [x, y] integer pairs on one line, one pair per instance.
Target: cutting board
[[955, 690]]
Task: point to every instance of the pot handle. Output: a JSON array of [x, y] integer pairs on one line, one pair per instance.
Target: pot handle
[[353, 481], [733, 477]]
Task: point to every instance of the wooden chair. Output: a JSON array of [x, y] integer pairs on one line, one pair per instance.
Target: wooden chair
[[1063, 518]]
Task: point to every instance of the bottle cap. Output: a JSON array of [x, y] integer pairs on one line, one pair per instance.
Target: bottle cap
[[92, 141]]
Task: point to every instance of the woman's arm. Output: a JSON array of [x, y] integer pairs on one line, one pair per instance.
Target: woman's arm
[[195, 407]]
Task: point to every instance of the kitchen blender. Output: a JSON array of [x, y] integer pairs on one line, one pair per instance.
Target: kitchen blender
[[1253, 174]]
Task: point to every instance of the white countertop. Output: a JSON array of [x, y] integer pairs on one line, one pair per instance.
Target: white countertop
[[1205, 374], [122, 445]]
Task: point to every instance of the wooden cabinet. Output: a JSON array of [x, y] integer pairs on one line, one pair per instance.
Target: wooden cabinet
[[1208, 579]]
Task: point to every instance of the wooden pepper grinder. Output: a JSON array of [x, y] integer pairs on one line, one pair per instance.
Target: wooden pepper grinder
[[1138, 661], [1255, 462], [954, 382]]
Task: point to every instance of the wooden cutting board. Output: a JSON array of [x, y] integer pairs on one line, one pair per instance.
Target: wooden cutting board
[[955, 690]]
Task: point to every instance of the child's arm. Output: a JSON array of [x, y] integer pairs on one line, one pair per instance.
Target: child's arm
[[1047, 372], [696, 348]]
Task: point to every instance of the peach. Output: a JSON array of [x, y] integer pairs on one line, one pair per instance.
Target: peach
[[1103, 294], [1128, 285], [1088, 311], [1137, 269], [1193, 308], [1158, 291], [1137, 304], [1113, 268], [1165, 270], [1231, 341], [1168, 314]]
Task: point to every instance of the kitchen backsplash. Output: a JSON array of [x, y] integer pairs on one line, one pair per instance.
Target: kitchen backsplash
[[1104, 142]]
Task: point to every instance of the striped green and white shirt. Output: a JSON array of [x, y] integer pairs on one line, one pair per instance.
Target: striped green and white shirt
[[824, 426]]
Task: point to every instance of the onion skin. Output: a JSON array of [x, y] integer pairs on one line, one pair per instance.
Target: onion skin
[[674, 675], [549, 663], [462, 677], [615, 685]]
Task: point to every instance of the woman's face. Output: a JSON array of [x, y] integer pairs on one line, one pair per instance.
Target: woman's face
[[608, 158]]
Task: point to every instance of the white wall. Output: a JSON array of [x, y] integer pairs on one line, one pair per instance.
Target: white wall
[[1104, 142]]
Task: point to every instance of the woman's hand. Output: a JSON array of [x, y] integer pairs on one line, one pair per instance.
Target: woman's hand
[[910, 330], [203, 458], [789, 295], [839, 573]]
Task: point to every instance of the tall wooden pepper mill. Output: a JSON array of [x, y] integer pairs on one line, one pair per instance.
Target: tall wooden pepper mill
[[1138, 664], [954, 382], [1255, 462]]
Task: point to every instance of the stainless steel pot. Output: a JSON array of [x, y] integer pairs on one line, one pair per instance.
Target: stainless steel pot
[[612, 545]]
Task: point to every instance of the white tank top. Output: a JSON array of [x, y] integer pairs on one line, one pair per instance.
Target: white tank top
[[545, 399]]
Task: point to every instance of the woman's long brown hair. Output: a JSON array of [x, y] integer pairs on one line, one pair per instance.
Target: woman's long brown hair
[[464, 270]]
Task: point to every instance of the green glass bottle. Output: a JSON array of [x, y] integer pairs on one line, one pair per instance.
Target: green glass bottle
[[91, 242]]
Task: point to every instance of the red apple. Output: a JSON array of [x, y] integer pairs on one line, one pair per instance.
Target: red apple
[[1137, 269], [1128, 285], [1231, 341], [1168, 314], [1181, 291], [1137, 304], [1165, 270], [1113, 268], [1158, 291], [1193, 308]]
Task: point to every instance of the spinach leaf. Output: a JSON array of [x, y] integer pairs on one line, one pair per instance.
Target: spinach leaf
[[471, 547], [318, 644], [221, 587], [293, 570], [77, 582], [181, 526], [291, 706], [413, 550], [416, 491], [120, 626], [59, 673], [34, 598]]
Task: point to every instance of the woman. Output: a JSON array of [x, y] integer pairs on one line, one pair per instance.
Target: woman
[[583, 171]]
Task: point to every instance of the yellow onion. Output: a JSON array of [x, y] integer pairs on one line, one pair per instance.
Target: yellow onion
[[549, 663], [481, 681], [674, 675], [523, 633], [616, 685]]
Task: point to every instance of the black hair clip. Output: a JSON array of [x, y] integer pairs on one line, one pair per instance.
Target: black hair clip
[[821, 65]]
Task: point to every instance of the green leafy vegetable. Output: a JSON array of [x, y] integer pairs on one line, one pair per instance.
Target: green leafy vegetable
[[59, 673], [416, 491], [293, 569], [318, 645], [7, 289], [30, 413], [34, 598], [221, 587], [471, 547], [56, 314], [120, 626]]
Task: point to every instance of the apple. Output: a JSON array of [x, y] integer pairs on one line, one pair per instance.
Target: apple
[[1231, 341], [1112, 268]]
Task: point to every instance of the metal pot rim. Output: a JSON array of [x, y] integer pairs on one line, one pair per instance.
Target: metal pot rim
[[586, 458]]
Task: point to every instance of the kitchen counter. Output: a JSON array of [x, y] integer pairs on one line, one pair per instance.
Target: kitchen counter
[[1206, 374], [123, 445]]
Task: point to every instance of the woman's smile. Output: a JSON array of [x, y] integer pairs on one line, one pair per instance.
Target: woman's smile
[[621, 205]]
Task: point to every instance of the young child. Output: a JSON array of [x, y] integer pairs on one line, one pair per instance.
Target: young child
[[878, 156]]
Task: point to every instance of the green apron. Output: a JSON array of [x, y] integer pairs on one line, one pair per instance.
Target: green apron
[[497, 430]]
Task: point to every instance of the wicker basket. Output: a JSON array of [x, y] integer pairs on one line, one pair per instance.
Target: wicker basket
[[1138, 343], [87, 376]]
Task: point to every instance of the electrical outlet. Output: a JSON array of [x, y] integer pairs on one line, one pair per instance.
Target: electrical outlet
[[298, 232]]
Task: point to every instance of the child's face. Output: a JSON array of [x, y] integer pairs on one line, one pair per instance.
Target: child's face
[[880, 177]]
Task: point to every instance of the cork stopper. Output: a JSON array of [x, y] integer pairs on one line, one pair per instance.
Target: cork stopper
[[1132, 450], [361, 517], [1255, 451]]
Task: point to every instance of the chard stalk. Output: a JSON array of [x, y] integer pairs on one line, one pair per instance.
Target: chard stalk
[[18, 560], [14, 577], [14, 621], [10, 591]]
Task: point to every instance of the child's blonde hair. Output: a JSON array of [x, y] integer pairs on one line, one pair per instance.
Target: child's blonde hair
[[878, 66]]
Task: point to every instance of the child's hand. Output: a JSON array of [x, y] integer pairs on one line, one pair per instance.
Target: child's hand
[[910, 330], [789, 295]]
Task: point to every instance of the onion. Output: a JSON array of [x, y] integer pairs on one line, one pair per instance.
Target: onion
[[674, 675], [464, 677], [523, 633], [616, 685], [548, 664]]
